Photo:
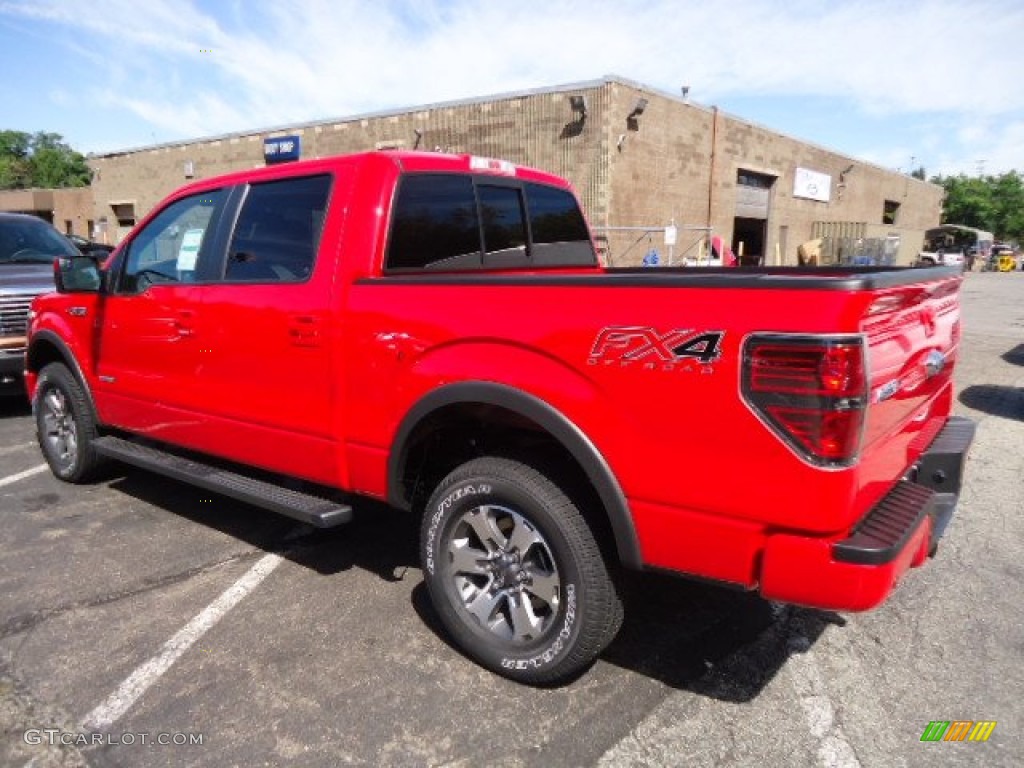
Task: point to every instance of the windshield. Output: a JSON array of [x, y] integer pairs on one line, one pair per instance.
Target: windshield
[[30, 241]]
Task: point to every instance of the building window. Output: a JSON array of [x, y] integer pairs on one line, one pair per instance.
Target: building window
[[747, 178], [891, 212]]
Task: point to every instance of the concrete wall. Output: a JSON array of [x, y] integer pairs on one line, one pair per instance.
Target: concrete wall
[[537, 129], [675, 161], [61, 207], [662, 167]]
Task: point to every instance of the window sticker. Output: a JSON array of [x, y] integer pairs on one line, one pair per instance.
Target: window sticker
[[188, 251]]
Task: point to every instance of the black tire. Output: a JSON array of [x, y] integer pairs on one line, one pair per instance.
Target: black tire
[[65, 425], [515, 574]]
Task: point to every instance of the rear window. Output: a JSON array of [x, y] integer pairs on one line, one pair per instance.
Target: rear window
[[459, 221], [435, 224], [504, 224]]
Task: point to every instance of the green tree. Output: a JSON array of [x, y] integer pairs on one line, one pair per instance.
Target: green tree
[[992, 203], [40, 160], [15, 171], [1008, 201]]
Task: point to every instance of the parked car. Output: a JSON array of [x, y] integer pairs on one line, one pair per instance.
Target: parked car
[[87, 246], [436, 331], [28, 246]]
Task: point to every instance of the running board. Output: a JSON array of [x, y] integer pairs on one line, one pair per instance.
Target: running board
[[314, 510]]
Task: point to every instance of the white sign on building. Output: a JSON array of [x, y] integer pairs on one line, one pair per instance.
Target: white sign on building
[[812, 185]]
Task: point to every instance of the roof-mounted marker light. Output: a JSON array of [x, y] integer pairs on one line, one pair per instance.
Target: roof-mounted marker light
[[492, 165]]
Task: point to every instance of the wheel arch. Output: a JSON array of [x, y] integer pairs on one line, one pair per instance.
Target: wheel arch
[[47, 347], [428, 415]]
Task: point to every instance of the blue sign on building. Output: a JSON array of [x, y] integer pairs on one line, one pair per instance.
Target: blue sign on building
[[281, 149]]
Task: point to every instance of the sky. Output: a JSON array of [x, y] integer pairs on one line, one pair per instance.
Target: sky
[[900, 84]]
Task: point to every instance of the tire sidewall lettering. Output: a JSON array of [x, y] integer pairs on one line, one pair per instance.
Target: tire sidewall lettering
[[556, 647], [466, 494], [438, 514], [574, 628]]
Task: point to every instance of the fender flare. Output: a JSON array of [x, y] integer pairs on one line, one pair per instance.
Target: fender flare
[[68, 358], [568, 434]]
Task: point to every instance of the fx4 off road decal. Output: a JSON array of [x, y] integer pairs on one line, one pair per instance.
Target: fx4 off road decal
[[651, 349]]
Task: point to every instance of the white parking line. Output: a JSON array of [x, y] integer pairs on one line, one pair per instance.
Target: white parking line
[[834, 751], [22, 475], [121, 700]]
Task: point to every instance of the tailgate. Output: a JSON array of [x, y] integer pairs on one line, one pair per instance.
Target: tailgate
[[913, 335]]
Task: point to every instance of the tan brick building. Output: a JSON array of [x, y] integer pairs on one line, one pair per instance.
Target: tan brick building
[[69, 210], [640, 159]]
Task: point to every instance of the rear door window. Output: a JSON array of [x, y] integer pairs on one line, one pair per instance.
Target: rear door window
[[277, 234]]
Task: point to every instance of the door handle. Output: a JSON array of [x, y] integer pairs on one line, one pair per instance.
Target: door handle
[[303, 331], [183, 323]]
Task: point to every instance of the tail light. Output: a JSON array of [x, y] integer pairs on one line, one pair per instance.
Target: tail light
[[811, 391]]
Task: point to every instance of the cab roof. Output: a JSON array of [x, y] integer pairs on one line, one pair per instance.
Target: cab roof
[[406, 161]]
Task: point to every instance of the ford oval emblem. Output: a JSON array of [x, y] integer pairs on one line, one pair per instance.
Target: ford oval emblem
[[934, 363]]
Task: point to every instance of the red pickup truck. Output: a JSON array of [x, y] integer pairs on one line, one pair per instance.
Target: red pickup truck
[[437, 332]]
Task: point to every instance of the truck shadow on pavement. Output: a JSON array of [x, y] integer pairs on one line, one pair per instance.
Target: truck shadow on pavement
[[1007, 402], [697, 637], [380, 539], [715, 642], [12, 407]]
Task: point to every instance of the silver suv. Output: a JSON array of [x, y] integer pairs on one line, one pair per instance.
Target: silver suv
[[27, 248]]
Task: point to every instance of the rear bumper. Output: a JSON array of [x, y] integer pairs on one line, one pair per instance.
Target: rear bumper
[[858, 571]]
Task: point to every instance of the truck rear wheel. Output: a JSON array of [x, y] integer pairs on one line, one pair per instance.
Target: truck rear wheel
[[65, 425], [515, 574]]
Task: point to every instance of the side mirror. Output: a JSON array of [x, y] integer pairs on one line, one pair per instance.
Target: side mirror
[[78, 274]]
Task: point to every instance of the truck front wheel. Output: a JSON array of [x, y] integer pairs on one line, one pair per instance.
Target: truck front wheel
[[65, 424], [515, 574]]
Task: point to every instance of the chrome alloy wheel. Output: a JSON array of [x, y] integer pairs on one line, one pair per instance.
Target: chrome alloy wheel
[[503, 572], [60, 432]]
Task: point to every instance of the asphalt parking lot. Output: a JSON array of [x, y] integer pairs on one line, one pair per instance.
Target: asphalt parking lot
[[149, 611]]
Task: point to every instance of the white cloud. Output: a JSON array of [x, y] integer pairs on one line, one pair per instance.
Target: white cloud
[[992, 146], [296, 60]]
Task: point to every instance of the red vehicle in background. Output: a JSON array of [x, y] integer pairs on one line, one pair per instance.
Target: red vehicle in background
[[436, 331]]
